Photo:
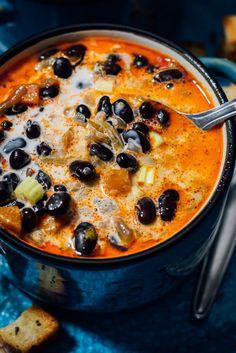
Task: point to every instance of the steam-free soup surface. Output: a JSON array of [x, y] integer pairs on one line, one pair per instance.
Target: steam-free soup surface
[[102, 168]]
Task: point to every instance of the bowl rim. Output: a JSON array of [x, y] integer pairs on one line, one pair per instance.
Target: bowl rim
[[222, 186]]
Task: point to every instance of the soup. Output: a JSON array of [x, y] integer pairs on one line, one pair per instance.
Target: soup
[[94, 161]]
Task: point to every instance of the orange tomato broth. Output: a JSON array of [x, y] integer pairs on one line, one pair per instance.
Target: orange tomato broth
[[203, 152]]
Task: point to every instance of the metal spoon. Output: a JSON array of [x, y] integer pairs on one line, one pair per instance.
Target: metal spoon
[[210, 118], [217, 261]]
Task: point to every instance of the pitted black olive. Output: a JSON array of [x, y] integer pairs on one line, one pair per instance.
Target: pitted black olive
[[58, 204], [141, 127], [84, 110], [32, 130], [29, 219], [12, 178], [58, 188], [62, 68], [168, 75], [12, 202], [85, 238], [100, 151], [5, 191], [16, 109], [104, 105], [39, 208], [83, 170], [140, 61], [76, 51], [48, 53], [122, 109], [139, 138], [167, 204], [49, 91], [146, 210], [111, 68], [163, 117], [19, 159], [146, 110], [43, 149], [44, 179], [6, 125], [127, 161], [13, 144]]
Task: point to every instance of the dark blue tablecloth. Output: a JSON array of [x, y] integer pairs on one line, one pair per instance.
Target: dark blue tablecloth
[[165, 326]]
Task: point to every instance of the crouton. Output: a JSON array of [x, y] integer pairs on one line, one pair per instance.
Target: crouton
[[10, 219], [28, 332]]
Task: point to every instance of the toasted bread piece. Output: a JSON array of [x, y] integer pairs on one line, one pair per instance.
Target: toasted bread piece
[[10, 219], [116, 182], [28, 332]]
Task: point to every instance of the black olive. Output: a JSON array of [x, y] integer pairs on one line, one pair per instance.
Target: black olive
[[138, 137], [48, 53], [33, 130], [49, 91], [76, 51], [13, 202], [146, 210], [85, 238], [29, 219], [84, 110], [101, 151], [39, 208], [13, 144], [141, 127], [167, 75], [5, 190], [58, 204], [83, 170], [6, 125], [44, 179], [122, 109], [62, 68], [60, 187], [127, 161], [16, 109], [167, 204], [43, 149], [140, 61], [163, 117], [111, 68], [19, 159], [2, 135], [104, 105], [151, 69], [113, 58], [12, 178], [146, 110]]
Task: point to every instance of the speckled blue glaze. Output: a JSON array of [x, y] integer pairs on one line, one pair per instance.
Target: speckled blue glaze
[[117, 284]]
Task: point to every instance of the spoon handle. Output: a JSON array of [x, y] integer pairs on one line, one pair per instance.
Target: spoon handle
[[208, 119], [216, 263]]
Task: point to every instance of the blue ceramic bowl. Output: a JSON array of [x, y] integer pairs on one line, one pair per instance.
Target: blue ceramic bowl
[[129, 281]]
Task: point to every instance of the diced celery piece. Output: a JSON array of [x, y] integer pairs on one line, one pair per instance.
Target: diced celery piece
[[150, 176], [103, 85], [30, 190], [142, 175], [156, 139]]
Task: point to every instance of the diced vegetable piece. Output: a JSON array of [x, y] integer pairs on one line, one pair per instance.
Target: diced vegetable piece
[[116, 182], [32, 94], [123, 237], [10, 219], [156, 139], [102, 85], [146, 175], [30, 189]]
